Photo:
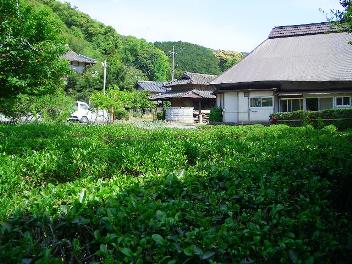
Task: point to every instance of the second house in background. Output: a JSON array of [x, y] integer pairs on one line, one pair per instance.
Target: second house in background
[[191, 95]]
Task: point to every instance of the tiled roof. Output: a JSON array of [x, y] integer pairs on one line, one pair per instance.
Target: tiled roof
[[302, 30], [193, 78], [302, 58], [206, 94], [152, 87], [73, 56]]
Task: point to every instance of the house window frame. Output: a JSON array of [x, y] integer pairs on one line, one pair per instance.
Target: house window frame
[[302, 103], [319, 104], [343, 105], [261, 102]]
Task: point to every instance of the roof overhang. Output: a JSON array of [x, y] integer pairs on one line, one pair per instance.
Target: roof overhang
[[267, 85], [288, 86]]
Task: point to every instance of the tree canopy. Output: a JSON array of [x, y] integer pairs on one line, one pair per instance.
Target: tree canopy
[[125, 55], [345, 16], [195, 58], [31, 49]]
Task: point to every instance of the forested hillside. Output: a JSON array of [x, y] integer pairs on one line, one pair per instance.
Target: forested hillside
[[130, 59], [196, 58]]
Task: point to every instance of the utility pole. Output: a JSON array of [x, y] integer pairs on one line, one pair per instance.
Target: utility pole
[[173, 63], [18, 7], [105, 65]]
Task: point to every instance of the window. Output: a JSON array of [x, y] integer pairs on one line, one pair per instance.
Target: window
[[319, 104], [291, 105], [84, 106], [326, 103], [261, 102], [312, 104], [343, 101]]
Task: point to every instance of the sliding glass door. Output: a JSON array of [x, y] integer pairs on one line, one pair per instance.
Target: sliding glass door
[[319, 104], [291, 105]]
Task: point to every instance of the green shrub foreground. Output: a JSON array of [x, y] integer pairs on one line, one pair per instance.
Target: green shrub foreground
[[341, 118], [119, 194]]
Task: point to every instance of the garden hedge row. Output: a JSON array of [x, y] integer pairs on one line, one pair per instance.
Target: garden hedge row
[[341, 118]]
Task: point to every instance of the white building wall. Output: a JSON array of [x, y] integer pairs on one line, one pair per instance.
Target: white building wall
[[230, 107], [243, 102], [237, 107], [261, 114]]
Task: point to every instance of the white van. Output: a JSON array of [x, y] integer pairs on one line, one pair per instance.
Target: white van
[[87, 115]]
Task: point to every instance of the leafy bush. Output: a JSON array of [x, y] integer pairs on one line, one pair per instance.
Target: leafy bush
[[341, 118], [215, 114], [217, 194], [56, 107], [119, 102]]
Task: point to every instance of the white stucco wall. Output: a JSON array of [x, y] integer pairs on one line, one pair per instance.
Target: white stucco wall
[[261, 114], [230, 107], [237, 107]]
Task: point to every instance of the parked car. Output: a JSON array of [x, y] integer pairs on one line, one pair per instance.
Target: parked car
[[85, 114]]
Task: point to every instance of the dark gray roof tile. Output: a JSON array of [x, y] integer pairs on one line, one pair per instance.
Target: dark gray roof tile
[[303, 58], [73, 56], [152, 87], [193, 78]]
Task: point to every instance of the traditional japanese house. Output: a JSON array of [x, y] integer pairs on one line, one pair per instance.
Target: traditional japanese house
[[191, 96], [299, 67], [78, 62]]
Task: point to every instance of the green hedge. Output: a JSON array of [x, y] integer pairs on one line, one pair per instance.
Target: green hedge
[[215, 114], [341, 118]]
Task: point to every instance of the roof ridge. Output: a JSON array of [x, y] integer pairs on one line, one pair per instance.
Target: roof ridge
[[308, 24], [304, 29], [197, 73]]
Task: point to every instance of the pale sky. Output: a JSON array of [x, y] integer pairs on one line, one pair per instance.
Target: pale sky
[[217, 24]]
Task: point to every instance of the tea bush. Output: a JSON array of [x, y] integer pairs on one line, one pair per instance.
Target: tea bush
[[107, 194]]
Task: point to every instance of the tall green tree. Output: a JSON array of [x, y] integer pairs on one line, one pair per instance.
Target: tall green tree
[[345, 16], [31, 49]]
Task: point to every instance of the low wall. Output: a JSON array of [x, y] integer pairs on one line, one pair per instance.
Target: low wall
[[179, 114]]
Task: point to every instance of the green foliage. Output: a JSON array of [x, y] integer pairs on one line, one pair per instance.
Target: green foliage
[[341, 118], [127, 56], [30, 50], [81, 86], [195, 58], [55, 107], [215, 114], [120, 102], [228, 58], [345, 16], [221, 194], [191, 58]]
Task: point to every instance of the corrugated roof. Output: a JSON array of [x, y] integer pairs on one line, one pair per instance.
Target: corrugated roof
[[307, 58], [73, 56], [193, 78], [152, 87], [206, 94]]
